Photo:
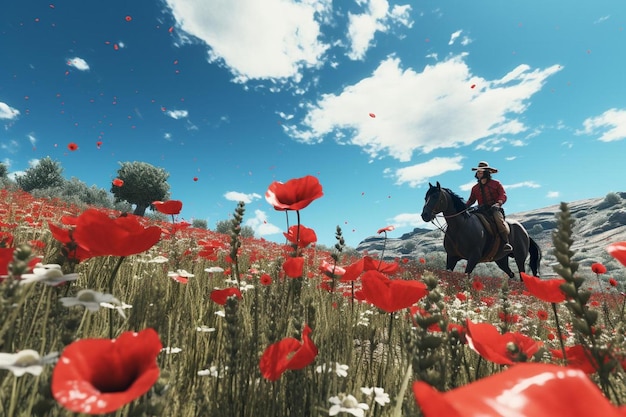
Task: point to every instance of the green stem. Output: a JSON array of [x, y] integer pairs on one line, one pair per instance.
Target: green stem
[[558, 332], [111, 281]]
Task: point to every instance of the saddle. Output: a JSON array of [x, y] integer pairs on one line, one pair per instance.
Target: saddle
[[494, 242]]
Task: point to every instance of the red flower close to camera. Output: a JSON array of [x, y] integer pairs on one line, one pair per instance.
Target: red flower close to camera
[[618, 251], [301, 236], [526, 389], [598, 268], [295, 194], [486, 340], [168, 207], [220, 296], [367, 263], [289, 353], [391, 295], [548, 290], [97, 376], [102, 235], [578, 357], [294, 266]]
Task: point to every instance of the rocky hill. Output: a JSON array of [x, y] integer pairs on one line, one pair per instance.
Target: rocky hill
[[598, 222]]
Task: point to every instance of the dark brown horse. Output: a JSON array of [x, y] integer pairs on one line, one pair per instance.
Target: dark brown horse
[[467, 238]]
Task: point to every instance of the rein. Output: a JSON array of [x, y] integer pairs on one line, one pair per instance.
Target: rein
[[442, 198]]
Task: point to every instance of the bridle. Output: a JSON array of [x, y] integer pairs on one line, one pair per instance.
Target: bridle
[[440, 204]]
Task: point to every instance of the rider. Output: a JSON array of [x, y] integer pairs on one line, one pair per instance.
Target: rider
[[490, 195]]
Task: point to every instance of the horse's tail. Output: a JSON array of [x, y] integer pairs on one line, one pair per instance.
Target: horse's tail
[[535, 257]]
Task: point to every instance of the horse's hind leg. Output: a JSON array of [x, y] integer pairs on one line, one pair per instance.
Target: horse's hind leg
[[503, 263]]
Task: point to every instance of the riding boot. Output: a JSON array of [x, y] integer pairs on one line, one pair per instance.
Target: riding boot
[[507, 246]]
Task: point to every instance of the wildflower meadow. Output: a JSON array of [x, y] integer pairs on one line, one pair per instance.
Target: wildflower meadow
[[110, 313]]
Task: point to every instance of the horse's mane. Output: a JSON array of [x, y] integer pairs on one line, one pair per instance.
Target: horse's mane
[[457, 201]]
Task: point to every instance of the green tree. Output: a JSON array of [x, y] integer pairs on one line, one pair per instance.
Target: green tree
[[200, 224], [143, 184], [45, 174], [4, 170], [225, 227]]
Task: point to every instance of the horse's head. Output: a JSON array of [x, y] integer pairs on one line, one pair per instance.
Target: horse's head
[[432, 205]]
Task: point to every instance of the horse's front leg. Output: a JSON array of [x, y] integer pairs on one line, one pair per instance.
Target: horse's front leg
[[451, 261], [472, 261], [503, 263]]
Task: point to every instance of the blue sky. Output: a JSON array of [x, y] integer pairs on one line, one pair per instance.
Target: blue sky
[[376, 98]]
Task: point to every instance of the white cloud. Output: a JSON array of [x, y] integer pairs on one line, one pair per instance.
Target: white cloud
[[454, 37], [177, 114], [260, 225], [602, 19], [269, 39], [524, 184], [7, 112], [32, 139], [553, 194], [421, 173], [363, 27], [467, 186], [78, 63], [422, 111], [237, 196], [409, 220], [11, 146], [612, 122]]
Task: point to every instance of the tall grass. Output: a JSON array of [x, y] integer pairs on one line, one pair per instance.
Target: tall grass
[[210, 363]]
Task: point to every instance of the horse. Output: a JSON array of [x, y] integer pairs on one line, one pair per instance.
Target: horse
[[467, 238]]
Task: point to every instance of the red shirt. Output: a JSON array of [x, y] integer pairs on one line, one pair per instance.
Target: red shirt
[[493, 190]]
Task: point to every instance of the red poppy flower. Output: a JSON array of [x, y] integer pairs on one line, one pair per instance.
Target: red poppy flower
[[486, 340], [118, 182], [578, 357], [265, 279], [97, 376], [101, 235], [6, 256], [598, 268], [301, 236], [612, 282], [542, 315], [331, 270], [195, 178], [478, 285], [386, 229], [220, 296], [545, 289], [288, 353], [294, 266], [367, 263], [295, 194], [391, 295], [72, 146], [168, 207], [526, 389], [618, 251]]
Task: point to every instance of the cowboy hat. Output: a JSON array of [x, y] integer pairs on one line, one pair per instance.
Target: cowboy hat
[[484, 166]]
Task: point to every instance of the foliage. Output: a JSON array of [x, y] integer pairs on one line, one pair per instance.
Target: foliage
[[143, 184], [74, 191], [200, 224], [225, 227], [4, 170], [45, 174], [211, 351]]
